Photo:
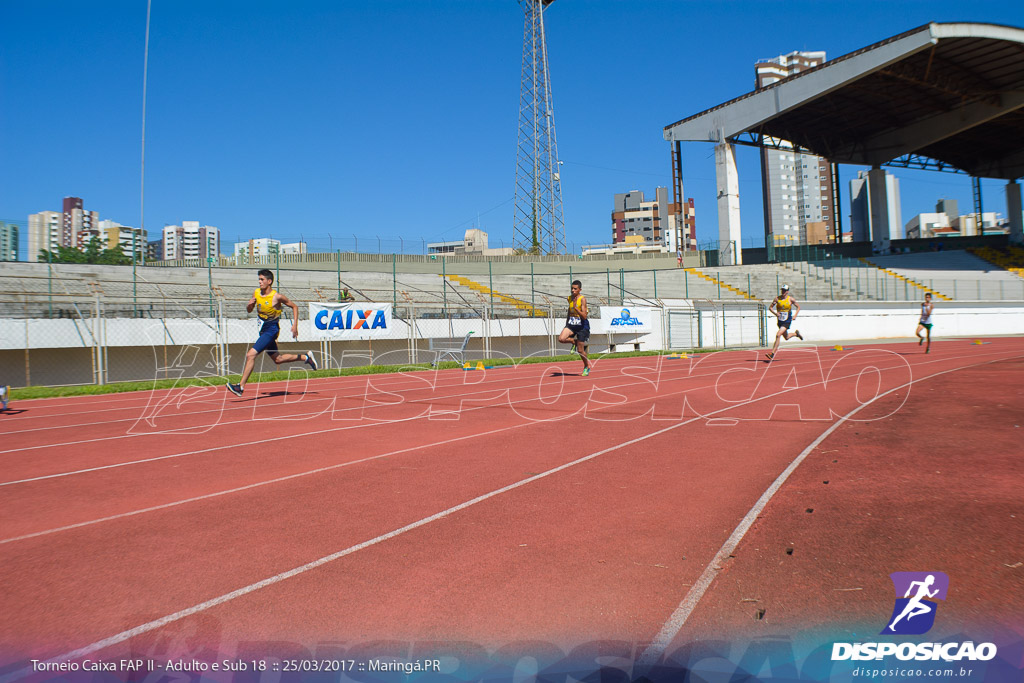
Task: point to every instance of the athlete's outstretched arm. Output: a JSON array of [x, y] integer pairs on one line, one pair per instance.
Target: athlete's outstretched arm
[[295, 314]]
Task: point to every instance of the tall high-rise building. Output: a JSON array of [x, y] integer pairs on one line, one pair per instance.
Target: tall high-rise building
[[797, 186], [248, 252], [641, 222], [950, 207], [78, 226], [155, 250], [190, 240], [868, 221], [113, 233], [8, 241], [44, 232]]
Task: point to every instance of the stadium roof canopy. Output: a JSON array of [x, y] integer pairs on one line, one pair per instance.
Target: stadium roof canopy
[[951, 93]]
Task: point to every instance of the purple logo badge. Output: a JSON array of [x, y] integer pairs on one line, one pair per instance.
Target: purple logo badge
[[916, 593]]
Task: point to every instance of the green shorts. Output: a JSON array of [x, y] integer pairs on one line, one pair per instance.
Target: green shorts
[[927, 326]]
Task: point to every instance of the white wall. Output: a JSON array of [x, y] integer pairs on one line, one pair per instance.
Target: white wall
[[862, 321], [824, 321]]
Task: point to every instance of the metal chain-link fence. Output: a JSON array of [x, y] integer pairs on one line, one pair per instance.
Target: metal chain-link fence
[[50, 340]]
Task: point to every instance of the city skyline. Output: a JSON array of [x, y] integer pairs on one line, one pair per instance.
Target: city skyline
[[335, 122]]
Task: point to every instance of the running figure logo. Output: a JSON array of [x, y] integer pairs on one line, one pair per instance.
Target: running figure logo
[[914, 613]]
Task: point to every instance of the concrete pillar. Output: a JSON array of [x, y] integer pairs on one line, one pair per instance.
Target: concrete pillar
[[1013, 212], [878, 210], [730, 252]]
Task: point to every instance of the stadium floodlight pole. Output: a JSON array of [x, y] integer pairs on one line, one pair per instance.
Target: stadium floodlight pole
[[533, 292], [537, 225], [142, 171]]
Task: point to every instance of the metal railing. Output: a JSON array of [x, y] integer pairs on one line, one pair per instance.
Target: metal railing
[[69, 339]]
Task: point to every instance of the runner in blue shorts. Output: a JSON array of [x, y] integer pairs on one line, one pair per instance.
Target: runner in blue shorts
[[269, 304], [785, 308], [577, 325]]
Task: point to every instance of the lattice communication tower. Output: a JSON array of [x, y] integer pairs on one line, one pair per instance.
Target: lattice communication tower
[[538, 226]]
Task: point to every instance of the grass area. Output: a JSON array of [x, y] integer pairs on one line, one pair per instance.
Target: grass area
[[280, 376]]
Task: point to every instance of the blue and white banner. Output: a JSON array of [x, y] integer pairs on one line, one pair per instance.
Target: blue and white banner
[[625, 320], [361, 320]]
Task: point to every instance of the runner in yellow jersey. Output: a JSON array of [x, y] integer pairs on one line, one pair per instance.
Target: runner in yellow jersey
[[785, 308], [268, 304], [577, 325]]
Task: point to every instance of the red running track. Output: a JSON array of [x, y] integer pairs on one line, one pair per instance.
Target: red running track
[[648, 503]]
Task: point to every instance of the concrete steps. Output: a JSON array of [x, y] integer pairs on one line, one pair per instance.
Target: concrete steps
[[903, 278]]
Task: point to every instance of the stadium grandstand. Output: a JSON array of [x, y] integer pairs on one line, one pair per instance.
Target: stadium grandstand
[[72, 324], [116, 322]]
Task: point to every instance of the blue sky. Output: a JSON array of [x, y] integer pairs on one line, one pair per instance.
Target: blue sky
[[397, 118]]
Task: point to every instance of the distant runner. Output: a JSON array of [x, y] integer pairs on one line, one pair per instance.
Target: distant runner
[[577, 325], [269, 304], [925, 323], [785, 308], [5, 396]]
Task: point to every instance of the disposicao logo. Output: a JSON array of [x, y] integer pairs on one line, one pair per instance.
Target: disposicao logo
[[350, 320], [914, 614], [625, 319]]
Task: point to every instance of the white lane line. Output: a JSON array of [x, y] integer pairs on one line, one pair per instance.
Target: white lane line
[[280, 479], [226, 447], [143, 398], [678, 618], [322, 384], [234, 405], [261, 483], [493, 387], [425, 415], [245, 590], [156, 401]]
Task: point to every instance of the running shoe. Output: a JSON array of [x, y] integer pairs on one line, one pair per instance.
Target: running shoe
[[310, 361], [920, 340], [586, 371], [235, 389], [769, 355], [5, 395], [798, 335]]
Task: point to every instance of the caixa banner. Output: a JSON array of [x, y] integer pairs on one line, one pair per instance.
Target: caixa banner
[[360, 320], [625, 319]]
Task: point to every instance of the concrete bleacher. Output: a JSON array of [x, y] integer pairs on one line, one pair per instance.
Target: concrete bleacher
[[40, 289], [959, 275]]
